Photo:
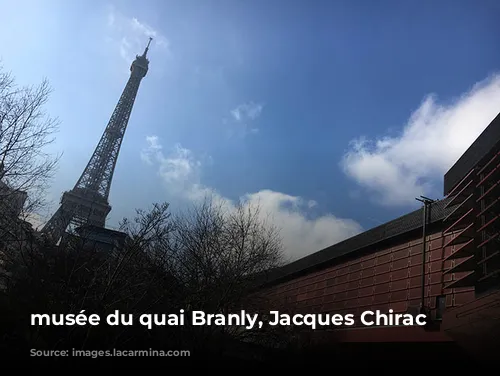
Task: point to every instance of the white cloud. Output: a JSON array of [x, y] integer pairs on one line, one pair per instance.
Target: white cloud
[[131, 35], [153, 149], [179, 169], [111, 18], [247, 111], [395, 170], [243, 117], [302, 235]]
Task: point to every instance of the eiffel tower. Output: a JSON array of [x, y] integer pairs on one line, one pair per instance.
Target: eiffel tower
[[87, 203]]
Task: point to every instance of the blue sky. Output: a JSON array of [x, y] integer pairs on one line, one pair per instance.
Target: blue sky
[[333, 115]]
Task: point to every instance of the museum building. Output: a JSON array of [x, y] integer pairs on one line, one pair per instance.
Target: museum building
[[442, 260]]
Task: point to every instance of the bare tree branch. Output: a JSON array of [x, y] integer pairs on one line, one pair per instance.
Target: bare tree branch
[[26, 131]]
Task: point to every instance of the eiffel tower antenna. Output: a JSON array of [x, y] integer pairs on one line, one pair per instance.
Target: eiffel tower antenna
[[87, 203]]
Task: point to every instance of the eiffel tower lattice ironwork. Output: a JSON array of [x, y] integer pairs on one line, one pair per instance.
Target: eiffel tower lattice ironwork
[[87, 203]]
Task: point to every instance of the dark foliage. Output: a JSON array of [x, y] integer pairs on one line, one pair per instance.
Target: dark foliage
[[200, 260]]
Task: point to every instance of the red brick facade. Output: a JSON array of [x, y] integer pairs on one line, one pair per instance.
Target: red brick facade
[[383, 280]]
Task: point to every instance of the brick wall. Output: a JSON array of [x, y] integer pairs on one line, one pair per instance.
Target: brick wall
[[386, 279]]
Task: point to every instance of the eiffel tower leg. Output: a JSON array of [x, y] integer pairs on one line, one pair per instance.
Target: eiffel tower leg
[[57, 225]]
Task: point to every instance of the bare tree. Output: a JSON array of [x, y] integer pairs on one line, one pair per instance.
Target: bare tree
[[84, 274], [25, 132], [201, 259], [218, 248], [215, 250]]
